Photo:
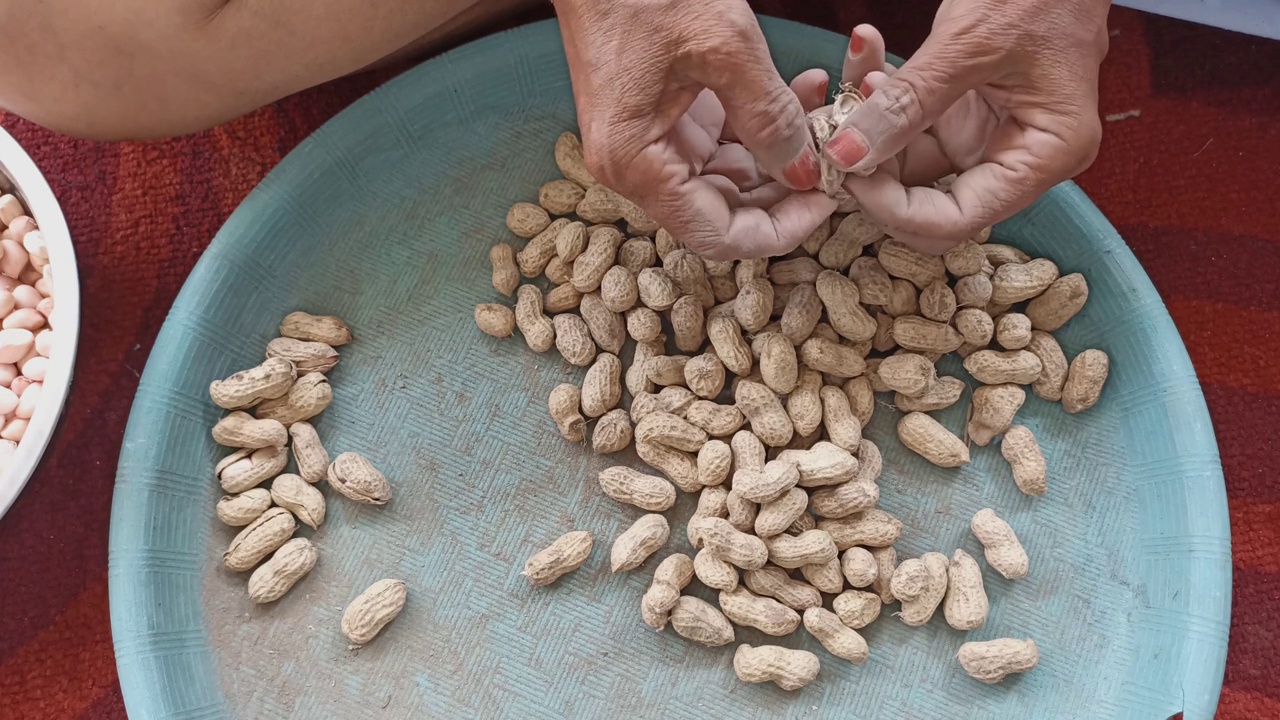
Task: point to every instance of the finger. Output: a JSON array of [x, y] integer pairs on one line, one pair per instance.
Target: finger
[[983, 195], [757, 233], [691, 142], [697, 214], [810, 88], [708, 113], [738, 164], [765, 196], [764, 112], [865, 55], [907, 103], [923, 160]]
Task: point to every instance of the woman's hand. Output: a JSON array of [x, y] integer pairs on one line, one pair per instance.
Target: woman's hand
[[1003, 92], [659, 85]]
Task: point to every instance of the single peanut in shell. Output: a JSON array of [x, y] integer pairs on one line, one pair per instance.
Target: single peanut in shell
[[647, 492], [608, 328], [773, 582], [282, 571], [839, 639], [873, 528], [966, 603], [538, 330], [327, 329], [1085, 377], [602, 385], [809, 547], [526, 219], [826, 577], [245, 469], [767, 615], [569, 158], [1053, 372], [563, 556], [271, 379], [992, 411], [1004, 552], [612, 432], [372, 610], [259, 539], [926, 437], [357, 479], [299, 497], [701, 622], [786, 668], [495, 320], [240, 510], [1015, 282], [776, 515], [242, 430], [856, 608], [738, 548], [1020, 448], [859, 567], [638, 542], [573, 339], [506, 276], [993, 660], [908, 373], [563, 404], [1058, 303]]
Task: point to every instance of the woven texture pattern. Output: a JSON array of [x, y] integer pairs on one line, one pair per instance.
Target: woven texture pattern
[[142, 214], [406, 182]]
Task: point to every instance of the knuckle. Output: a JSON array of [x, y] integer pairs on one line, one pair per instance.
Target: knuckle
[[777, 119], [900, 97]]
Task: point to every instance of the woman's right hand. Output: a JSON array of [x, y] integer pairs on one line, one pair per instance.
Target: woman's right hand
[[660, 85]]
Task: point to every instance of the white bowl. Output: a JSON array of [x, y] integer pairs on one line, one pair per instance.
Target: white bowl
[[20, 176]]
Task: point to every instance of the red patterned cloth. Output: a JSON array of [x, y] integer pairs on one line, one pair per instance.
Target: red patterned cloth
[[1188, 177]]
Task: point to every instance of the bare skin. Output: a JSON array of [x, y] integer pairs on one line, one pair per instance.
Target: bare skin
[[680, 106], [136, 69]]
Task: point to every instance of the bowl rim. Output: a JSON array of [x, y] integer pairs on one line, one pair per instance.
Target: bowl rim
[[29, 184]]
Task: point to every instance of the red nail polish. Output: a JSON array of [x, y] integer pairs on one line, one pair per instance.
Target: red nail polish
[[802, 173], [855, 44], [865, 89], [847, 148]]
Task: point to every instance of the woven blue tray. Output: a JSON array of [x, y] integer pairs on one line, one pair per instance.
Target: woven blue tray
[[385, 217]]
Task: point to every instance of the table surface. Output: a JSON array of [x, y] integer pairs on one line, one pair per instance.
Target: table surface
[[1185, 173]]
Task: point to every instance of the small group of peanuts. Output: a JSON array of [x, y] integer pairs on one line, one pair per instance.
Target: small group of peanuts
[[785, 479], [285, 392], [26, 325]]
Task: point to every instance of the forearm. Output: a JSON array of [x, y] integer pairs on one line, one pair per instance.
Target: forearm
[[139, 69]]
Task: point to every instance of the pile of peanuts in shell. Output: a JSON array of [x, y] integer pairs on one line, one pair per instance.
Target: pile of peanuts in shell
[[749, 385], [285, 393], [26, 332]]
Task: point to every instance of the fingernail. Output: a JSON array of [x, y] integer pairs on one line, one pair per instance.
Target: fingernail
[[847, 148], [802, 173], [865, 89], [826, 85], [856, 44]]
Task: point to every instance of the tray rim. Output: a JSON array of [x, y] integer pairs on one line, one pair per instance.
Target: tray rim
[[132, 637]]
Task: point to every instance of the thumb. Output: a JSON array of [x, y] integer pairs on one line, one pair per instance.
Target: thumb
[[905, 105], [764, 112]]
